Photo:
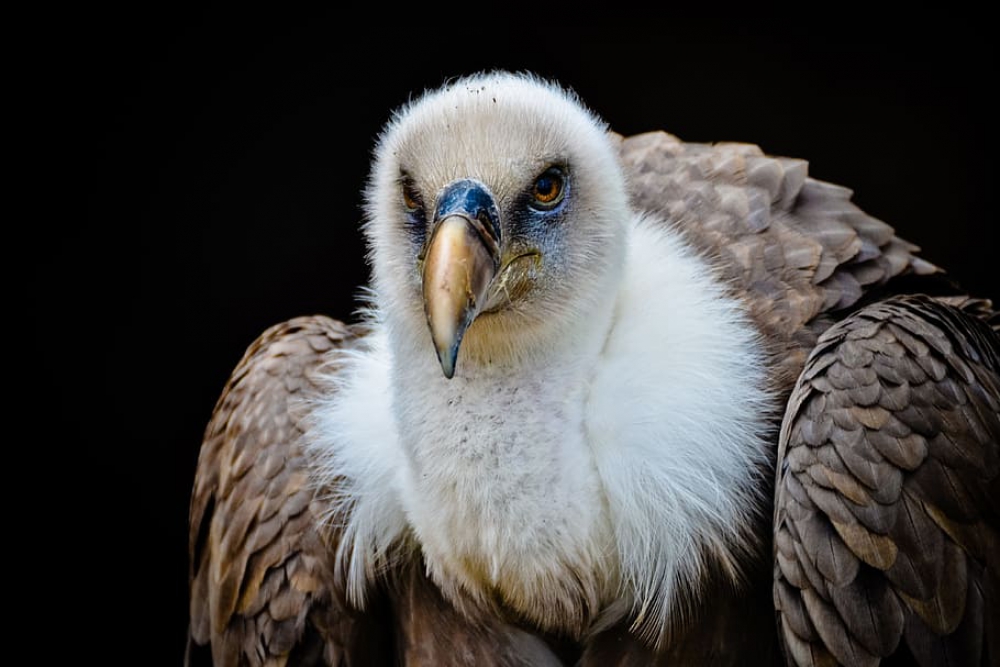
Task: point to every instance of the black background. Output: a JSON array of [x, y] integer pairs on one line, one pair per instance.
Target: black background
[[222, 158]]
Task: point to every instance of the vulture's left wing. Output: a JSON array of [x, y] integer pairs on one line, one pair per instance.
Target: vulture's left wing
[[886, 506], [886, 520]]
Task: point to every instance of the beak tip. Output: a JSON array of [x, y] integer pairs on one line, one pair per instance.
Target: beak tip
[[447, 358]]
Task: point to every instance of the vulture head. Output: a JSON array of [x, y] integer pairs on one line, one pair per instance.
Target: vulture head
[[496, 214]]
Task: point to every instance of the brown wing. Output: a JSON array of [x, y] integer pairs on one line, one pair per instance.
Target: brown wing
[[260, 581], [802, 256], [887, 537]]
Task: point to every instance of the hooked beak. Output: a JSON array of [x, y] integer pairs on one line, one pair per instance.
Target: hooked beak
[[461, 261]]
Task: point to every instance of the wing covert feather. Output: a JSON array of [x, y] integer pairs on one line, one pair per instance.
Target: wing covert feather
[[261, 589], [917, 505]]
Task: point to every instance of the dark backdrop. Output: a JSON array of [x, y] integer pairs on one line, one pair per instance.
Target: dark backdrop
[[222, 164]]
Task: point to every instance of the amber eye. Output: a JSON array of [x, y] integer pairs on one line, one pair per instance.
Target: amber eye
[[548, 189], [411, 198]]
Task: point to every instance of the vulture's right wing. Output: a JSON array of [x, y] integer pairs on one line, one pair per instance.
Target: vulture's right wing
[[262, 590], [886, 521]]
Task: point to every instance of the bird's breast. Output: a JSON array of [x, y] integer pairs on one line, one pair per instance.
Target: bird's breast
[[504, 497]]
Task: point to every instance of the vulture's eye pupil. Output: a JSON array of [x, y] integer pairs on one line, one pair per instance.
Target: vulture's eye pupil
[[411, 198], [549, 188]]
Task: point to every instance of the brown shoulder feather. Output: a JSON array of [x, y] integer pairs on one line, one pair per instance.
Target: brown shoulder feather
[[795, 249]]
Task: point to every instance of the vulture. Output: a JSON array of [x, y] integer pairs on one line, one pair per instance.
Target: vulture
[[610, 401]]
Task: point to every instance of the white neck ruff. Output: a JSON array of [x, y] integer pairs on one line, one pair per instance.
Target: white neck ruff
[[614, 469]]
